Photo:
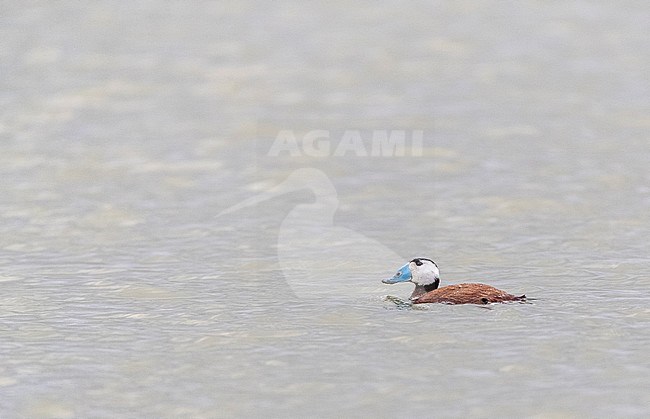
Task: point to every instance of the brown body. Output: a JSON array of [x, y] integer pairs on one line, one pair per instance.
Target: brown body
[[466, 294]]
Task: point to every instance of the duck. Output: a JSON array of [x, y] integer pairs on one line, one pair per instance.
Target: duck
[[424, 273]]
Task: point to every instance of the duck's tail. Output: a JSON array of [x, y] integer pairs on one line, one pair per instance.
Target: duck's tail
[[524, 299]]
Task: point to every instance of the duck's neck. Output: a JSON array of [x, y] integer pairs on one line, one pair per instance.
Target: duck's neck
[[423, 289]]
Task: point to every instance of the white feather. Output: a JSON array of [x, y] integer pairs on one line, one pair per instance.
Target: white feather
[[424, 274]]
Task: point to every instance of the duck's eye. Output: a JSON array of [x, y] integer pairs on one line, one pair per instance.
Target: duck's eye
[[398, 273]]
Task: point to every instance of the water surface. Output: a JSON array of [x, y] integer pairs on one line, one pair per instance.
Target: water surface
[[126, 130]]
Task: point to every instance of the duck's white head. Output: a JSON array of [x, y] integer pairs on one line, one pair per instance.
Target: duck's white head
[[420, 271]]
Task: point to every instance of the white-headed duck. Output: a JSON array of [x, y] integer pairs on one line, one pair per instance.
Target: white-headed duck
[[425, 275]]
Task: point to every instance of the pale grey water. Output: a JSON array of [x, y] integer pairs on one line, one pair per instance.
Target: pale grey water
[[126, 128]]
